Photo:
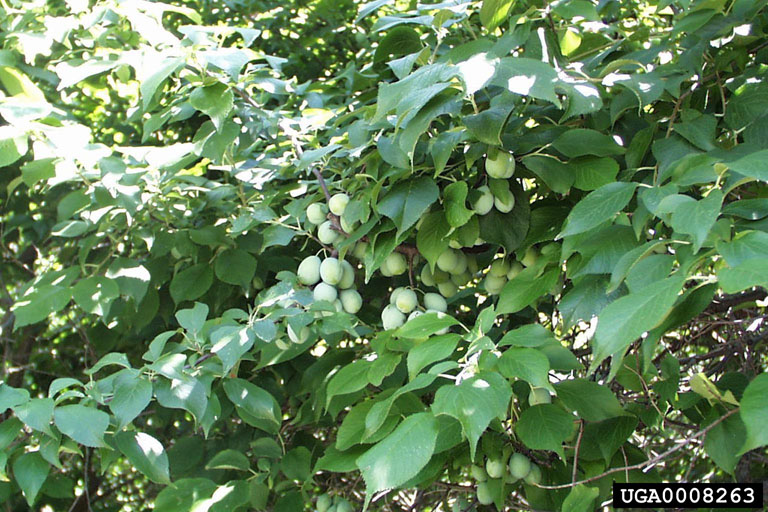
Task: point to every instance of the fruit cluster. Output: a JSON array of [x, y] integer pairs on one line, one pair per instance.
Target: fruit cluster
[[517, 467], [328, 503]]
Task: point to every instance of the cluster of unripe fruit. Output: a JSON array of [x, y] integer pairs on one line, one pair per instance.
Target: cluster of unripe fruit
[[327, 503], [403, 301], [517, 467], [333, 281], [500, 166], [317, 214]]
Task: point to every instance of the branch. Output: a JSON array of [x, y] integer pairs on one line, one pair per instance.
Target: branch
[[649, 462]]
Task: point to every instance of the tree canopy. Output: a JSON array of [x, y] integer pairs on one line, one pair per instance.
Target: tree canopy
[[326, 255]]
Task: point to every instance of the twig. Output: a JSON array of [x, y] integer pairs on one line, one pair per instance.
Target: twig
[[576, 451]]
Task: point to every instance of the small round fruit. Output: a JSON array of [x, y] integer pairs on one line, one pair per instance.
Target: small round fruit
[[504, 204], [499, 268], [427, 277], [347, 226], [347, 275], [351, 301], [344, 506], [317, 213], [331, 271], [338, 203], [530, 257], [392, 318], [461, 279], [539, 396], [359, 250], [406, 301], [519, 465], [472, 267], [461, 264], [448, 260], [494, 284], [414, 314], [549, 249], [396, 263], [495, 468], [514, 269], [500, 165], [395, 293], [439, 314], [309, 270], [327, 234], [447, 289], [324, 502], [484, 494], [324, 291], [478, 473], [484, 203], [435, 301], [534, 475], [301, 337], [440, 277]]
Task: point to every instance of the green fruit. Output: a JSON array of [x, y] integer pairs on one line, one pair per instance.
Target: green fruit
[[519, 465], [351, 301], [299, 338], [534, 475], [440, 276], [494, 468], [394, 265], [344, 506], [348, 227], [436, 302], [447, 289], [478, 473], [514, 269], [539, 396], [359, 250], [324, 502], [550, 249], [461, 264], [175, 253], [504, 203], [484, 494], [499, 164], [494, 284], [324, 291], [347, 275], [414, 314], [499, 268], [406, 301], [309, 270], [530, 257], [448, 260], [327, 234], [426, 276], [317, 213], [392, 318], [331, 271], [338, 203], [472, 267], [461, 279], [484, 203], [395, 293]]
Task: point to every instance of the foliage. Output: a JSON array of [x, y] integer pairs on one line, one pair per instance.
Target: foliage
[[553, 242]]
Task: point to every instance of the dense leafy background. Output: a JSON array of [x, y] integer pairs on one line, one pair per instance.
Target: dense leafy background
[[156, 163]]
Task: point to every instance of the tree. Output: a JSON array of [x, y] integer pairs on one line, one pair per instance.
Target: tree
[[508, 254]]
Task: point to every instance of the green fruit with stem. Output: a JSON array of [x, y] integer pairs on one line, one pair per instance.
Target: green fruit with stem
[[447, 260], [324, 502], [440, 276], [461, 279], [494, 284], [499, 164], [327, 234], [351, 301], [317, 213], [406, 301], [530, 257], [395, 264], [519, 465], [347, 275], [484, 494], [503, 198], [338, 203], [427, 278], [484, 203], [309, 270], [395, 293], [499, 268], [324, 291], [495, 468], [331, 271], [435, 301], [447, 289], [478, 473], [514, 269], [392, 318], [534, 475], [539, 396]]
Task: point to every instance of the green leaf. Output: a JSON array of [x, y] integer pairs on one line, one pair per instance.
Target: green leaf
[[13, 145], [527, 77], [508, 229], [216, 101], [38, 170], [527, 364], [589, 400], [597, 207], [350, 378], [494, 12], [95, 294], [31, 472], [12, 397], [188, 394], [532, 335], [152, 74], [592, 173], [398, 42], [580, 498], [296, 464], [229, 459], [582, 141], [696, 218], [86, 425], [132, 277], [544, 427], [474, 402], [749, 273], [455, 198], [401, 455], [352, 428], [36, 414], [425, 325], [193, 319], [724, 441], [408, 200], [752, 165], [524, 289], [230, 343], [488, 125], [431, 239], [40, 302], [754, 413], [131, 396], [146, 454], [255, 406], [744, 246], [436, 348], [235, 266], [555, 174], [626, 319], [191, 283]]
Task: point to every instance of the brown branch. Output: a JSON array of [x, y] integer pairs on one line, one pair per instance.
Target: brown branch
[[576, 451]]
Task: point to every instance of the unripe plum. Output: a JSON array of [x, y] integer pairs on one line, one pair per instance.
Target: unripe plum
[[351, 301], [514, 269], [519, 465], [534, 475], [447, 289], [539, 396], [530, 257], [347, 275], [499, 268], [406, 301], [301, 337], [395, 264], [317, 213], [324, 291], [484, 494], [435, 301], [309, 270], [391, 317], [327, 234], [331, 271], [338, 203], [484, 203], [494, 468], [499, 165], [324, 502], [478, 473]]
